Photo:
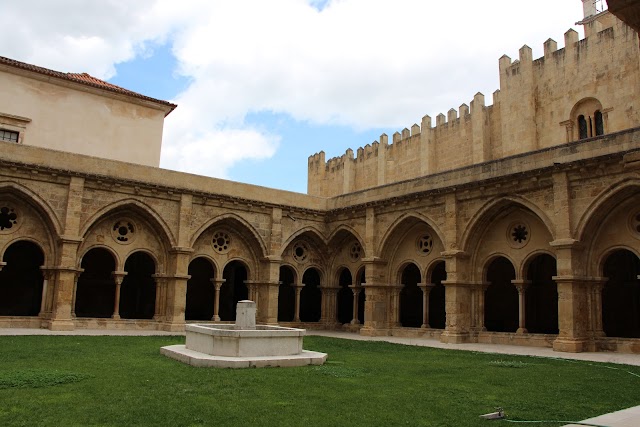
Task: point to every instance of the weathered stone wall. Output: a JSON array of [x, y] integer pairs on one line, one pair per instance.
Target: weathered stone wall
[[537, 106]]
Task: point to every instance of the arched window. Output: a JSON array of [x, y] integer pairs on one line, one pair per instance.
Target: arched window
[[599, 123], [582, 127]]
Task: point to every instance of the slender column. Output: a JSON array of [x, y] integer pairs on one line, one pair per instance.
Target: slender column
[[356, 291], [217, 283], [118, 276], [44, 303], [426, 290], [298, 288], [252, 287], [395, 305], [482, 292], [521, 286], [160, 281], [75, 291], [596, 308]]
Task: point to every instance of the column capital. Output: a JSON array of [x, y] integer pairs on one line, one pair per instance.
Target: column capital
[[118, 276]]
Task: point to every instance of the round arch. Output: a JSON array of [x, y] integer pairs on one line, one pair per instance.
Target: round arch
[[21, 280], [30, 240], [119, 265]]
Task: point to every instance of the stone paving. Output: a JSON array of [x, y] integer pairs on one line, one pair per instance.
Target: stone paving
[[629, 417]]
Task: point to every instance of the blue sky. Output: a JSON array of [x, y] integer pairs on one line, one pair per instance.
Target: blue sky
[[260, 86]]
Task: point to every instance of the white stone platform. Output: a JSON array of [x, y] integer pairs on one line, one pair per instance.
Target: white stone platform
[[198, 359]]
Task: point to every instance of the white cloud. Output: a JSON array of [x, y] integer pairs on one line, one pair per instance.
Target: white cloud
[[360, 63]]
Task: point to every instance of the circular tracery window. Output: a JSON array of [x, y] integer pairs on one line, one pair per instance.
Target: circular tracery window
[[8, 219], [221, 242], [300, 252], [355, 252], [518, 235], [123, 231], [424, 244], [634, 224]]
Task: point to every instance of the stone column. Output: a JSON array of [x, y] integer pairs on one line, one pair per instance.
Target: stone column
[[595, 306], [298, 288], [457, 298], [356, 291], [426, 290], [176, 288], [45, 304], [331, 318], [75, 291], [217, 284], [118, 276], [252, 291], [482, 291], [521, 286], [395, 305], [160, 282]]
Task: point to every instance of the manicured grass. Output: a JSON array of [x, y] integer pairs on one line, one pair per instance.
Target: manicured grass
[[124, 381]]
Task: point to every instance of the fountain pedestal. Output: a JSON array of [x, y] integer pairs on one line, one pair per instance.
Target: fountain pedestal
[[243, 345]]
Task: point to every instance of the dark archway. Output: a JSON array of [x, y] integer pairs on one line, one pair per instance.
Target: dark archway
[[311, 297], [621, 295], [437, 315], [286, 295], [541, 296], [201, 291], [234, 289], [21, 280], [362, 297], [345, 297], [501, 298], [138, 290], [96, 291], [411, 298]]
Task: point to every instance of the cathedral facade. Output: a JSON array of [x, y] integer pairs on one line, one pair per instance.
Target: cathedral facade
[[515, 223]]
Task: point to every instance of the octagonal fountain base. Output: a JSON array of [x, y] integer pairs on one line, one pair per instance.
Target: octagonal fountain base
[[243, 345]]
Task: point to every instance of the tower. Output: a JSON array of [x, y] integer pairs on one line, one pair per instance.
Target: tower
[[592, 7]]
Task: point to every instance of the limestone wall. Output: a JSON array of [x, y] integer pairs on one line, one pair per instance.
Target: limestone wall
[[536, 107]]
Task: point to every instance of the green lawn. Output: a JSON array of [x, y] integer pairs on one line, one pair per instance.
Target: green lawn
[[124, 381]]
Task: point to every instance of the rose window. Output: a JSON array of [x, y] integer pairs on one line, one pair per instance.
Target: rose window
[[300, 252], [518, 235], [634, 224], [424, 245], [355, 251], [221, 242], [8, 218], [123, 231]]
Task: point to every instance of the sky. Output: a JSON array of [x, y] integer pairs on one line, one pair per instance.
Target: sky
[[262, 85]]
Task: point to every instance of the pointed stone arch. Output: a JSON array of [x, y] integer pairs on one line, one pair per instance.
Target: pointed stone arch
[[250, 234], [30, 197], [401, 225], [342, 233], [140, 208], [311, 232], [497, 207]]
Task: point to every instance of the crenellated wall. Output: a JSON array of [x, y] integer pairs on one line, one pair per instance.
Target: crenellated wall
[[536, 107]]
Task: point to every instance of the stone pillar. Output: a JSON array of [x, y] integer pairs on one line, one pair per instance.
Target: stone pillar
[[595, 306], [573, 315], [521, 286], [253, 291], [217, 284], [75, 291], [426, 290], [298, 288], [481, 293], [160, 306], [331, 317], [356, 292], [118, 276], [45, 304], [457, 298], [395, 305], [177, 277]]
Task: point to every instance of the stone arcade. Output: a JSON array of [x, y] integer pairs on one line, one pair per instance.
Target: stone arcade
[[517, 222]]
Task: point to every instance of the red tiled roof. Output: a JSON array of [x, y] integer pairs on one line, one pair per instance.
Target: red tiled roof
[[85, 79]]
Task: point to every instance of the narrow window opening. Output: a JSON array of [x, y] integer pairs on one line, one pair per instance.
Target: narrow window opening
[[599, 123], [582, 127], [590, 128]]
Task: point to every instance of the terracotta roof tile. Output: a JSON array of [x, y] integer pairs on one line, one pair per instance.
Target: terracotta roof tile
[[85, 79]]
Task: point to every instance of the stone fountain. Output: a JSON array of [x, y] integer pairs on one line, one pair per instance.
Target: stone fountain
[[243, 345]]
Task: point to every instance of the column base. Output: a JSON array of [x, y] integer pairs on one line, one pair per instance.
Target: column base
[[62, 325], [425, 326], [355, 322], [455, 337], [215, 318], [173, 327], [522, 331], [116, 317], [571, 345], [373, 332]]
